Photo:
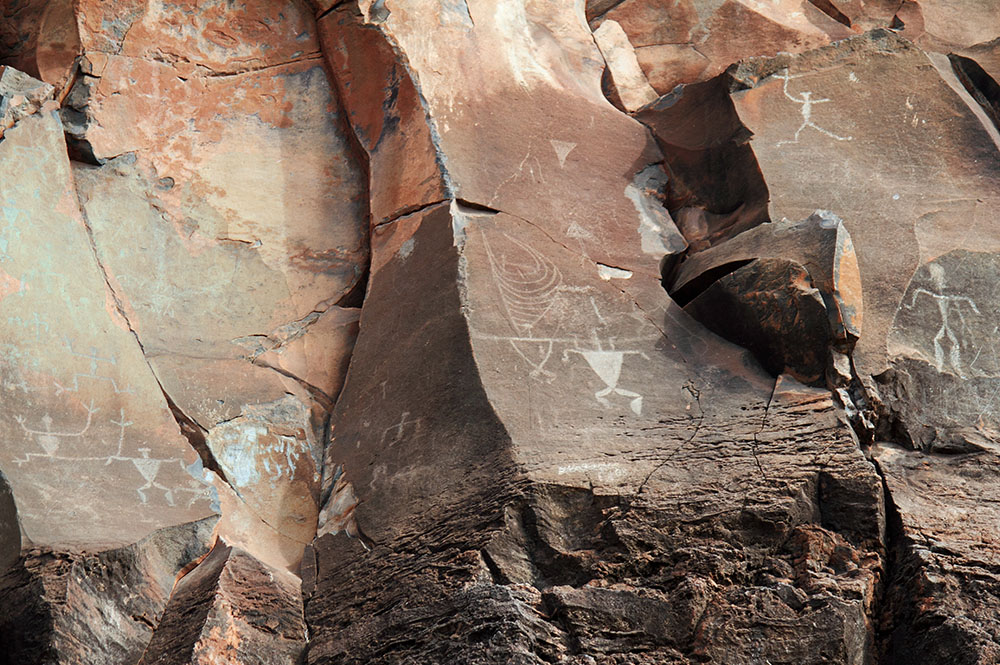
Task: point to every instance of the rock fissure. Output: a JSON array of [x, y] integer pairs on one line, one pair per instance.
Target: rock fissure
[[433, 270]]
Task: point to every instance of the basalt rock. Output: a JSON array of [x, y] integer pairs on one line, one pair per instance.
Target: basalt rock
[[95, 607], [426, 331]]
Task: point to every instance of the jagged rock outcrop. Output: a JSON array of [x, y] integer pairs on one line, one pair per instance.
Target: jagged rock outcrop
[[494, 331]]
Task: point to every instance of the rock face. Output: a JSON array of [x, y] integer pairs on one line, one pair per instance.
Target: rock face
[[493, 331]]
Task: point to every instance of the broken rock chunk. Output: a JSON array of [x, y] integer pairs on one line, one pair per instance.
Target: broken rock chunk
[[20, 96], [789, 291], [231, 609], [94, 609], [688, 41]]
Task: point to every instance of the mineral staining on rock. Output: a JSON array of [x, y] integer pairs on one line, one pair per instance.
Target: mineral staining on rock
[[498, 331], [91, 451]]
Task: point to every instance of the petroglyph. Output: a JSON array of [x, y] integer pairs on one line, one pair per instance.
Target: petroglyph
[[406, 428], [562, 148], [528, 289], [607, 364], [806, 101], [94, 359], [50, 441], [946, 304]]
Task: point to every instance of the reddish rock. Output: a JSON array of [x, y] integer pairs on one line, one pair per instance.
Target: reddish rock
[[627, 82], [772, 308], [688, 41], [231, 609], [514, 318], [944, 591], [387, 114], [923, 353], [95, 608], [203, 37], [942, 25], [91, 450], [538, 455], [20, 96], [231, 231], [700, 133], [925, 200], [978, 67], [41, 38], [820, 245], [560, 155]]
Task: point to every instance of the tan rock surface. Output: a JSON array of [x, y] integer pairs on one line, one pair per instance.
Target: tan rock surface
[[687, 41], [425, 331], [90, 448]]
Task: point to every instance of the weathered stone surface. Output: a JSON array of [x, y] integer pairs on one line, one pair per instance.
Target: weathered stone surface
[[700, 133], [231, 609], [772, 308], [944, 368], [40, 37], [538, 454], [387, 113], [561, 543], [923, 203], [623, 78], [269, 456], [10, 530], [941, 25], [687, 41], [560, 155], [20, 96], [231, 230], [925, 349], [978, 67], [944, 594], [94, 608], [813, 259], [90, 448]]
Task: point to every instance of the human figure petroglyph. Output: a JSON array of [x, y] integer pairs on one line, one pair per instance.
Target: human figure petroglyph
[[946, 304], [395, 433], [805, 99], [73, 385], [49, 440], [607, 365]]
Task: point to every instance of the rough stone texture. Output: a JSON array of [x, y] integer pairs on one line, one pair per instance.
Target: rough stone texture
[[624, 82], [699, 132], [91, 450], [40, 37], [231, 609], [550, 556], [687, 41], [423, 331], [945, 591], [20, 96], [387, 114], [788, 292], [94, 608], [978, 67], [925, 240]]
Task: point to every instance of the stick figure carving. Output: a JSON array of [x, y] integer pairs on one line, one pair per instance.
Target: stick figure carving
[[947, 304], [608, 366], [806, 100]]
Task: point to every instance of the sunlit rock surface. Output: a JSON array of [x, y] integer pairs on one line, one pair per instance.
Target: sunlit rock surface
[[492, 331]]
